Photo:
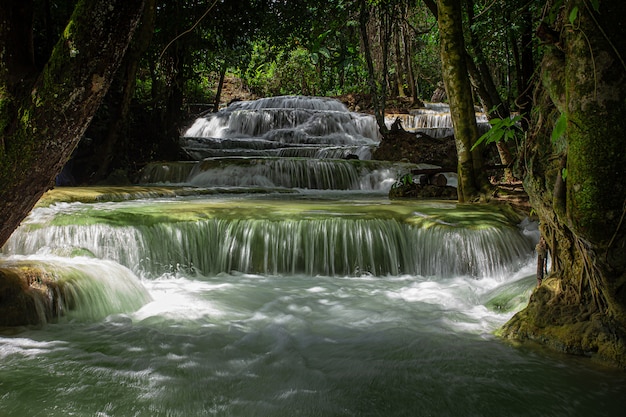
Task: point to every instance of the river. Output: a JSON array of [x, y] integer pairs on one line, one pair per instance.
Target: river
[[281, 281]]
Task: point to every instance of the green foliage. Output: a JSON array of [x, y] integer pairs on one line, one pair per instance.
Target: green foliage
[[403, 180], [559, 127], [296, 74], [573, 15], [501, 129]]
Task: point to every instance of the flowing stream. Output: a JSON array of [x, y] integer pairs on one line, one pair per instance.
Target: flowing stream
[[281, 281]]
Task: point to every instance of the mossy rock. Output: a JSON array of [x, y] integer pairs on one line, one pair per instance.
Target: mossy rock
[[27, 297], [567, 328], [427, 191]]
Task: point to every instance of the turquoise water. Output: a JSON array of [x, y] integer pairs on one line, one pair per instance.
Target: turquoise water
[[177, 339], [316, 297]]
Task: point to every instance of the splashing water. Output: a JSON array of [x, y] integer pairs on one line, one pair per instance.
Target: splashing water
[[310, 302]]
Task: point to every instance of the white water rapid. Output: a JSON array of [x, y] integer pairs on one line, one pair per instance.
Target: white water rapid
[[277, 279]]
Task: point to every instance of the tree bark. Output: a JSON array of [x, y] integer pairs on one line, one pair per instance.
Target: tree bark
[[494, 107], [399, 61], [458, 89], [220, 85], [378, 88], [50, 116], [580, 306]]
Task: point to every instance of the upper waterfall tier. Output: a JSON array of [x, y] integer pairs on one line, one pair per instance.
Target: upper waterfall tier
[[266, 126], [434, 120]]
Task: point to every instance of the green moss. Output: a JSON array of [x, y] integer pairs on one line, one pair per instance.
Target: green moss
[[596, 159], [422, 214], [20, 287], [567, 327], [67, 33]]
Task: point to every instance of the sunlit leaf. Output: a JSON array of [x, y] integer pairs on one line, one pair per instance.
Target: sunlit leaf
[[559, 127], [573, 15]]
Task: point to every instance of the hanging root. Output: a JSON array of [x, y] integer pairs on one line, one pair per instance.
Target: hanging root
[[591, 275]]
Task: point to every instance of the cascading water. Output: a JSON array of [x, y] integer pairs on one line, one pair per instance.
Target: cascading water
[[285, 284], [433, 120]]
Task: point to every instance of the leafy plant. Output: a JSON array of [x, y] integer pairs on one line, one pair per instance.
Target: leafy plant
[[501, 129], [559, 127], [403, 180]]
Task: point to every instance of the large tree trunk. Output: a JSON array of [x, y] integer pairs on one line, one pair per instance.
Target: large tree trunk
[[459, 91], [576, 186], [42, 121]]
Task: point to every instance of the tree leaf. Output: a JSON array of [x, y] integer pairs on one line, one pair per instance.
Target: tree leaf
[[573, 15], [559, 127], [325, 52], [496, 136]]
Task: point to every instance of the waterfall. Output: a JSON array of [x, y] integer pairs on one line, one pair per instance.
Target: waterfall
[[285, 172], [434, 120], [280, 123], [271, 275], [266, 237], [87, 288]]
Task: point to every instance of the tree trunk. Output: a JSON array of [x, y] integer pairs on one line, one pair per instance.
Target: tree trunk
[[410, 73], [525, 99], [459, 91], [575, 187], [220, 85], [494, 107], [377, 92], [399, 61], [50, 116]]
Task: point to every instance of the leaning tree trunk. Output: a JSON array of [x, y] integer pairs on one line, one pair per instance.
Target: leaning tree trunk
[[459, 91], [575, 171], [42, 121]]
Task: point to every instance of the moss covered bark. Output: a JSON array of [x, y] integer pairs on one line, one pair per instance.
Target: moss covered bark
[[458, 88], [575, 185], [46, 117]]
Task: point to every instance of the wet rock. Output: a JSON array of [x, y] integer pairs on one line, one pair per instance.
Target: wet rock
[[424, 191], [27, 297], [420, 148]]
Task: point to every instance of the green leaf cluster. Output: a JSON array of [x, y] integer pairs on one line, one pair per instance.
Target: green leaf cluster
[[559, 128], [404, 180], [501, 130]]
